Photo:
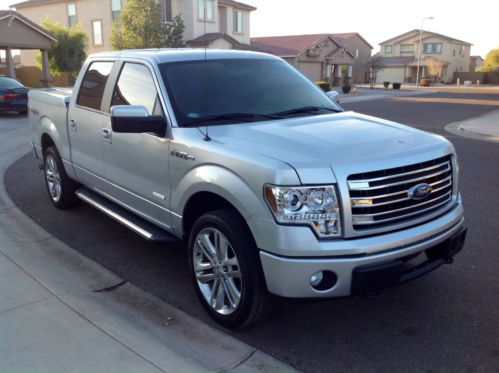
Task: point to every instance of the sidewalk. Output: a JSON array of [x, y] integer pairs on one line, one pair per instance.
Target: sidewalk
[[483, 127], [367, 94], [60, 311]]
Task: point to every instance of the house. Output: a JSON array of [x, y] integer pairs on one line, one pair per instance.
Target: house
[[441, 56], [332, 57], [209, 23], [475, 63]]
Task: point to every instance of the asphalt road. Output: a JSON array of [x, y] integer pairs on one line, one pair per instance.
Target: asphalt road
[[445, 321]]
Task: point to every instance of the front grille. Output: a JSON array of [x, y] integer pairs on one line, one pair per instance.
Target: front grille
[[381, 198]]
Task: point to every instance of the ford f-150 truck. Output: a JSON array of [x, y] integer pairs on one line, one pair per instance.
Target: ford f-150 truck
[[276, 190]]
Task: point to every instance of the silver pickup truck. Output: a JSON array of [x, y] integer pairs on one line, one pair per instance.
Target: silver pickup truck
[[274, 188]]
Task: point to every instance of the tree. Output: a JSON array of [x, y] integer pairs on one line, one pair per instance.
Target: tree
[[68, 53], [139, 26], [174, 33], [434, 66], [491, 62], [374, 65]]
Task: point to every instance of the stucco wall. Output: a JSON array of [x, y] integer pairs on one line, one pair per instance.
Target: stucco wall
[[86, 12], [359, 69]]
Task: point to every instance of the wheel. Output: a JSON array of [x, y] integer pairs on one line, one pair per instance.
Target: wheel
[[226, 270], [60, 187]]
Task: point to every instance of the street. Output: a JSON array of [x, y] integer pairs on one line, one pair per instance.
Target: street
[[445, 321]]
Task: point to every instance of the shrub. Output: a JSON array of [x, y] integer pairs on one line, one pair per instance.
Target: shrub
[[386, 84], [346, 88], [425, 82], [325, 86], [396, 85]]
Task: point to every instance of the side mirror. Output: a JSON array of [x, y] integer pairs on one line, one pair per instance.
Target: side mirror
[[333, 96], [136, 119]]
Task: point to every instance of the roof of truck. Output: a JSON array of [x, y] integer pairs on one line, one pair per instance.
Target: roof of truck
[[180, 54]]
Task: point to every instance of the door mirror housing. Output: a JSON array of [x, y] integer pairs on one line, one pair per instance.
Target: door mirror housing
[[136, 119]]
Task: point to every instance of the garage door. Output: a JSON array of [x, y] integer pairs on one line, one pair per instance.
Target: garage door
[[313, 70]]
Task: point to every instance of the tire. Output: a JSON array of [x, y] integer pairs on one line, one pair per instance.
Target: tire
[[60, 187], [240, 259]]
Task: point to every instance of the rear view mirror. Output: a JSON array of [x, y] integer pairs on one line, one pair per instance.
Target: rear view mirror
[[136, 119]]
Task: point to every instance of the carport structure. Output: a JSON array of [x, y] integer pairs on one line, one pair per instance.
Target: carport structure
[[18, 32]]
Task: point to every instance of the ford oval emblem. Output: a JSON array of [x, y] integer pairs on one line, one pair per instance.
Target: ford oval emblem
[[419, 192]]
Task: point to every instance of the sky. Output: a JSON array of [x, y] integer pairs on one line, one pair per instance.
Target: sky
[[377, 20]]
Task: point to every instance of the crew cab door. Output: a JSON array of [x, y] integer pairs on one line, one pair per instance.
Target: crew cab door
[[85, 122], [136, 164]]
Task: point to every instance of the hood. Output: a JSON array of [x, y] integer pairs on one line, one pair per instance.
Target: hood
[[317, 146]]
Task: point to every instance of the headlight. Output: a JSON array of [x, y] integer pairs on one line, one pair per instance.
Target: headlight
[[314, 206]]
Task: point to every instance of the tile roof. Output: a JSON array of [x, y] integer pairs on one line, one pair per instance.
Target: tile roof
[[426, 34], [293, 45], [396, 61], [205, 40], [237, 4], [290, 45], [27, 21]]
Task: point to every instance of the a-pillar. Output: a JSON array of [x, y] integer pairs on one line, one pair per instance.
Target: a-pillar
[[9, 63], [337, 76], [46, 78]]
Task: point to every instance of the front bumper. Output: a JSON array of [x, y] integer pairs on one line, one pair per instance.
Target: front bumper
[[290, 277]]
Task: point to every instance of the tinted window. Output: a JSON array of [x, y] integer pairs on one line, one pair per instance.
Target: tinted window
[[136, 87], [93, 85], [201, 89]]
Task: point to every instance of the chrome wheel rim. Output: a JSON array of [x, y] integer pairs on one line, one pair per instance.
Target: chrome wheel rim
[[217, 271], [53, 178]]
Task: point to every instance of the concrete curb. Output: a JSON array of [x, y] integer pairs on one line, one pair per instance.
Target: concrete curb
[[384, 96], [478, 128], [154, 335]]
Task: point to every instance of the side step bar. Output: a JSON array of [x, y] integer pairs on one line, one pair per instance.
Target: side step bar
[[130, 220]]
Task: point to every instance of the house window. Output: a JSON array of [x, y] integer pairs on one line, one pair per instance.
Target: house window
[[432, 48], [206, 10], [388, 49], [238, 22], [72, 20], [407, 48], [116, 9], [357, 53], [97, 32], [461, 52], [166, 10]]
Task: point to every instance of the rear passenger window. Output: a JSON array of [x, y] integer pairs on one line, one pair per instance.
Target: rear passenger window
[[93, 85], [136, 87]]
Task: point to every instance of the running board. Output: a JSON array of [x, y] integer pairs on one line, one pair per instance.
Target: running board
[[130, 220]]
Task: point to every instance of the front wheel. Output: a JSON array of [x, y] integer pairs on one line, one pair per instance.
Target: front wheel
[[226, 271], [60, 186]]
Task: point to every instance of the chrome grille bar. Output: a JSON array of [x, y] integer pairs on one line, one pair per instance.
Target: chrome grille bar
[[380, 198]]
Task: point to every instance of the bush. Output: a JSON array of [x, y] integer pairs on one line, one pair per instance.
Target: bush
[[346, 88], [325, 86], [396, 85], [386, 84], [425, 82]]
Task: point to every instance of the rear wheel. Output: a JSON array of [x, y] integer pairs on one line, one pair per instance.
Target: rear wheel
[[226, 271], [60, 187]]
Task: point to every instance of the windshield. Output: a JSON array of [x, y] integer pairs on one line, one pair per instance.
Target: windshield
[[9, 83], [234, 90]]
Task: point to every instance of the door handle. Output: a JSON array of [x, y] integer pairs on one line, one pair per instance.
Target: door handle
[[106, 133], [72, 124]]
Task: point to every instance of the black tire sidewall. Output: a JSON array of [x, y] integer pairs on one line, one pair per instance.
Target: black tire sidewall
[[229, 223]]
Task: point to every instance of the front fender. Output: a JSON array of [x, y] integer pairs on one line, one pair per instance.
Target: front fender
[[224, 183]]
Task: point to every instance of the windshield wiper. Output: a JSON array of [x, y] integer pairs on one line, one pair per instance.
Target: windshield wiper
[[243, 117], [306, 109]]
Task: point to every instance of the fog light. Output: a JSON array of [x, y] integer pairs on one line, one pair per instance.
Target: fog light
[[323, 280], [316, 279]]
